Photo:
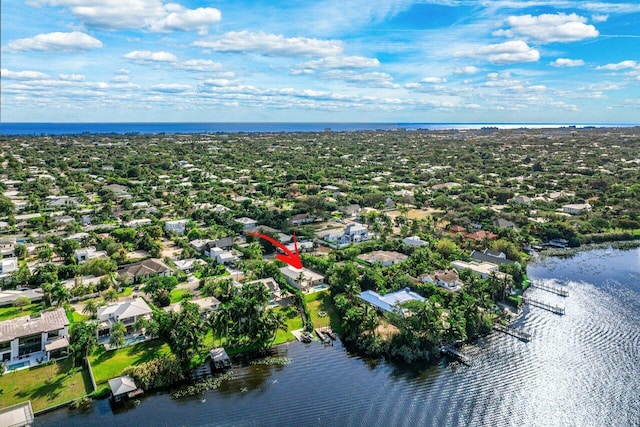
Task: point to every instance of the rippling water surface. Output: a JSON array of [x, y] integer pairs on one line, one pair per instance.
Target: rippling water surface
[[580, 369]]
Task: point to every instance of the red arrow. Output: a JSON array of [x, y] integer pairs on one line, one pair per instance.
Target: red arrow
[[291, 258]]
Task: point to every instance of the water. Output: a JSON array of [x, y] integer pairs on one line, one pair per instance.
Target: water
[[580, 369], [155, 128]]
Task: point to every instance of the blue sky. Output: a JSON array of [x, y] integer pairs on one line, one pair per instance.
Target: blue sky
[[334, 60]]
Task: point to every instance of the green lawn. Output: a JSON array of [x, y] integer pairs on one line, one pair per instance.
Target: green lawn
[[45, 386], [177, 295], [125, 292], [110, 364], [11, 312], [321, 302], [294, 321]]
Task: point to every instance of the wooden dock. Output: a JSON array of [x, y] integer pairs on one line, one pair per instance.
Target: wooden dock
[[448, 350], [556, 309], [521, 335], [563, 292]]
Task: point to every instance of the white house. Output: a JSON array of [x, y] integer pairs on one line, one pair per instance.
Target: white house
[[85, 254], [26, 341], [221, 256], [127, 312], [302, 278], [247, 223], [414, 241], [353, 233], [7, 267], [447, 279], [577, 209], [483, 269], [178, 226], [390, 302], [385, 258], [271, 285]]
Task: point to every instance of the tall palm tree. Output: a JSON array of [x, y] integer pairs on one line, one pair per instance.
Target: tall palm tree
[[60, 293], [91, 308], [118, 331]]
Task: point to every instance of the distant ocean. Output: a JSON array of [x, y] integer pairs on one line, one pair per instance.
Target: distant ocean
[[173, 128]]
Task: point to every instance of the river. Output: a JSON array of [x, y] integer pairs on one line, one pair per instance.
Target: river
[[580, 369]]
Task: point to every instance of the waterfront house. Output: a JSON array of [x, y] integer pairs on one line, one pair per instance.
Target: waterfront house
[[391, 301], [29, 340], [272, 286], [493, 257], [302, 278], [483, 269], [127, 312], [123, 388]]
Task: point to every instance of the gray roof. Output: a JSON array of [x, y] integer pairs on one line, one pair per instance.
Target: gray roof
[[124, 310], [486, 257], [50, 320], [122, 385], [9, 296], [20, 414]]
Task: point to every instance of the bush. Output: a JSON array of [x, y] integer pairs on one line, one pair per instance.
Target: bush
[[21, 302], [156, 373]]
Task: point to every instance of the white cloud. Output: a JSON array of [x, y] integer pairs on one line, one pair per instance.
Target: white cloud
[[131, 14], [271, 44], [67, 42], [412, 85], [148, 56], [183, 19], [599, 18], [199, 65], [120, 79], [171, 88], [373, 79], [72, 77], [123, 71], [22, 75], [469, 69], [505, 53], [618, 66], [433, 80], [566, 62], [341, 62], [548, 28]]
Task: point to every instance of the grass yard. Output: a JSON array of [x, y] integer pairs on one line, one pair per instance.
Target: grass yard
[[294, 321], [11, 312], [45, 386], [109, 364], [321, 302], [177, 295]]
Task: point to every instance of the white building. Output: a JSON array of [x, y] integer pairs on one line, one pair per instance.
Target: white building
[[302, 278], [447, 279], [577, 209], [414, 241], [221, 256], [127, 312], [85, 254], [26, 341], [483, 269], [7, 267], [353, 233], [390, 302], [178, 226]]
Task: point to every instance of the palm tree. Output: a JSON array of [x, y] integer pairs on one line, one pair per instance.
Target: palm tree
[[110, 295], [118, 331], [91, 308], [60, 293]]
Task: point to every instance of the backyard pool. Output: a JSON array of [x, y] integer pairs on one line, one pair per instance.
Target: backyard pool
[[135, 340], [320, 288], [18, 365]]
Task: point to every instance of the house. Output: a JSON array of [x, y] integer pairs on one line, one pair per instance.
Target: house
[[247, 223], [414, 241], [8, 296], [127, 312], [302, 278], [389, 302], [350, 210], [26, 341], [178, 226], [206, 305], [483, 269], [300, 219], [123, 388], [85, 254], [7, 267], [271, 285], [188, 265], [135, 223], [199, 244], [504, 223], [18, 415], [385, 258], [7, 248], [302, 247], [226, 243], [457, 229], [577, 209], [143, 269], [447, 279], [481, 235], [493, 257], [221, 256], [353, 233], [525, 200]]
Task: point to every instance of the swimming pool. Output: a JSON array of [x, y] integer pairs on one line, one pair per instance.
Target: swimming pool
[[18, 365], [320, 288], [130, 341]]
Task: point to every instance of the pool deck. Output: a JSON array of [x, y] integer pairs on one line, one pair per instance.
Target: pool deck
[[128, 340], [34, 359]]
